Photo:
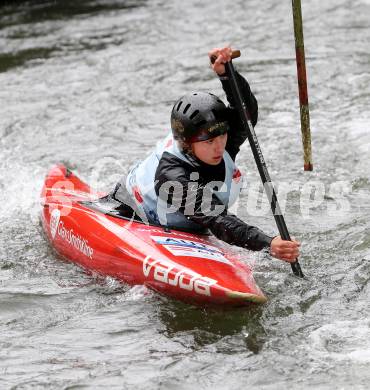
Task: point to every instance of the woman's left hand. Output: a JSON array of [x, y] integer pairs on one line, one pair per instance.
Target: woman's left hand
[[285, 250]]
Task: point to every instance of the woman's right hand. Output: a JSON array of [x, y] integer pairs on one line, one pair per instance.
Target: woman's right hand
[[284, 250], [221, 55]]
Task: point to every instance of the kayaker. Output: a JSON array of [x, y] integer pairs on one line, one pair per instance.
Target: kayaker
[[191, 179]]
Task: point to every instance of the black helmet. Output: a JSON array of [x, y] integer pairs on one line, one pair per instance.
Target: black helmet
[[198, 116]]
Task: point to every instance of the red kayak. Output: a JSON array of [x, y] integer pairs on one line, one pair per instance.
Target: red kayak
[[189, 267]]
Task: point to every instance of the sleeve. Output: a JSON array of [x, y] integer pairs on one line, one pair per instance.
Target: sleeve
[[237, 134], [200, 205], [228, 227]]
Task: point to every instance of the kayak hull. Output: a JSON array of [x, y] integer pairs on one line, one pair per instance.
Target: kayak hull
[[193, 268]]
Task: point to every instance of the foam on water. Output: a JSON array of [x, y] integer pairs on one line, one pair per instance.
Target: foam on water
[[343, 340]]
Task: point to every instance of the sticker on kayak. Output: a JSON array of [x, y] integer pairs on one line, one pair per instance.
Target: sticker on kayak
[[168, 272], [181, 247], [54, 222], [57, 227]]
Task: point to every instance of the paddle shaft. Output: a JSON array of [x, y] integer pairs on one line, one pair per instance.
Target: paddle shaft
[[260, 162]]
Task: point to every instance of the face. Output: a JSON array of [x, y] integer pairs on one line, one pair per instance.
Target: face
[[210, 151]]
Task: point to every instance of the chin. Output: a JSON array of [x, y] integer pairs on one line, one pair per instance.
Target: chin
[[215, 162]]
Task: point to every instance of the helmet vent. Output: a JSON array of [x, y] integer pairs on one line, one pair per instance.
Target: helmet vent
[[194, 114], [178, 106], [186, 108]]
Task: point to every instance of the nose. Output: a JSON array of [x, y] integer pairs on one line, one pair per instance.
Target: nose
[[219, 145]]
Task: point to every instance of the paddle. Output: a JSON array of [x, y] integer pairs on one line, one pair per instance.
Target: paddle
[[258, 157]]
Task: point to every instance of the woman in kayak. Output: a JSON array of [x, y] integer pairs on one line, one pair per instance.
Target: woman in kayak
[[191, 179]]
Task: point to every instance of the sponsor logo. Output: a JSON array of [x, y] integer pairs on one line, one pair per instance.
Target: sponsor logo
[[237, 175], [54, 222], [188, 248], [137, 194], [169, 143], [169, 273], [175, 233], [68, 235]]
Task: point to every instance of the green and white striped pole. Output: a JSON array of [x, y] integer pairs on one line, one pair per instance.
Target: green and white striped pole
[[302, 85]]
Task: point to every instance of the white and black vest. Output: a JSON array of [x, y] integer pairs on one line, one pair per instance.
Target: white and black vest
[[140, 184]]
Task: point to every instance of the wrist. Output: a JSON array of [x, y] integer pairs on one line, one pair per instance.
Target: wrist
[[267, 242], [272, 240]]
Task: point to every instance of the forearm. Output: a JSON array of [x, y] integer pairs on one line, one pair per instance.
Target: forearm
[[234, 231], [246, 92]]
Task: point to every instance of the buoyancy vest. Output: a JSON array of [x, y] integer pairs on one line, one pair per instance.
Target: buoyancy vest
[[140, 184]]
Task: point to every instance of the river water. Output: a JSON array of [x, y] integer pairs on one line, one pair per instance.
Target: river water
[[91, 83]]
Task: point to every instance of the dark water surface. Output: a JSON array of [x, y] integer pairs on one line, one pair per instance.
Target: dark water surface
[[91, 83]]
